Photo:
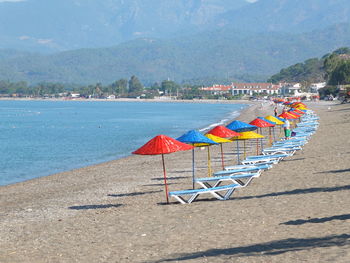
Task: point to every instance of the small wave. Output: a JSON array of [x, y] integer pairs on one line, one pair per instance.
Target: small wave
[[229, 117]]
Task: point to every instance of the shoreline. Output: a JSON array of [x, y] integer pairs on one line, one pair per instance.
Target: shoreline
[[113, 212], [130, 100], [241, 112]]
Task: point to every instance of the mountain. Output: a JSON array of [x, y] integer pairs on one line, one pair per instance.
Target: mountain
[[51, 26], [220, 54], [288, 15]]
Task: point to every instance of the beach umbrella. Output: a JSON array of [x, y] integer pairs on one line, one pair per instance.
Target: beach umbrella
[[294, 113], [162, 144], [240, 126], [223, 132], [248, 135], [195, 138], [298, 111], [274, 119], [271, 129], [278, 121], [286, 115], [220, 140], [261, 124]]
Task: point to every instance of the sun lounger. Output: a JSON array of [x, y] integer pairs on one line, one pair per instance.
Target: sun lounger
[[241, 179], [236, 169], [214, 191]]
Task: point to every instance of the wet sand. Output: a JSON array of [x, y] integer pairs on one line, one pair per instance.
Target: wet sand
[[299, 211]]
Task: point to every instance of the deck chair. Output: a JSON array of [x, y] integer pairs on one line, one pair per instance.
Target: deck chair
[[214, 191], [241, 179]]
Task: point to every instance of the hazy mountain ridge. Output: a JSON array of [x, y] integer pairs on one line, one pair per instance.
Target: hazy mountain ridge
[[220, 54], [41, 25]]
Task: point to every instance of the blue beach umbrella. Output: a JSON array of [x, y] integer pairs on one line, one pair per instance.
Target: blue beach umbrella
[[194, 137], [240, 126]]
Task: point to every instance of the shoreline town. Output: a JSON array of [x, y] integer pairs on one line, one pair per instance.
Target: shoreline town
[[115, 212]]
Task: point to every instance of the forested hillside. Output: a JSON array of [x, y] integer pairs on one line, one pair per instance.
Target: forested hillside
[[334, 68], [218, 56]]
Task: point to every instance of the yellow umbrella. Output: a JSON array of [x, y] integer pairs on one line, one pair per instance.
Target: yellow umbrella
[[215, 139], [221, 141], [274, 119], [277, 121], [248, 135]]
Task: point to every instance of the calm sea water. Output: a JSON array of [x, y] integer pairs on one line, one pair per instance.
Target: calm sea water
[[39, 138]]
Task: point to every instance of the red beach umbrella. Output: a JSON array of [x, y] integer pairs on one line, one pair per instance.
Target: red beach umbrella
[[286, 115], [223, 132], [294, 114], [162, 144], [298, 111], [261, 124]]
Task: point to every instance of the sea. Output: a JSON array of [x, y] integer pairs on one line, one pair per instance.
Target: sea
[[40, 138]]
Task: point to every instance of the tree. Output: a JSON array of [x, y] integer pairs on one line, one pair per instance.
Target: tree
[[341, 74], [169, 86], [135, 85]]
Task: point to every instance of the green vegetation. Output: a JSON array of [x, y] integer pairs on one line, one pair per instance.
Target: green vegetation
[[332, 68], [219, 56]]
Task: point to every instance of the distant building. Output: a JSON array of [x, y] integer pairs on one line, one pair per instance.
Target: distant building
[[75, 95], [255, 88], [248, 89], [314, 87], [218, 89]]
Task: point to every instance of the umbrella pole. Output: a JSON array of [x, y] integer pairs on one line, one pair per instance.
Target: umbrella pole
[[166, 185], [273, 132], [261, 140], [257, 146], [244, 149], [209, 163], [193, 168], [270, 136], [222, 157], [237, 152]]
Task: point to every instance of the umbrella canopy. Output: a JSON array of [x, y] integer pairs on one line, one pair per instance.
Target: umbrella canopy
[[248, 135], [223, 132], [221, 141], [240, 126], [298, 111], [275, 120], [195, 137], [261, 123], [294, 113], [281, 119], [286, 115], [162, 144]]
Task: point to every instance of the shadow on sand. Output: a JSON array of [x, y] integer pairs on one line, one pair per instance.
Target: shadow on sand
[[298, 192], [134, 194], [336, 171], [317, 220], [269, 248], [88, 207]]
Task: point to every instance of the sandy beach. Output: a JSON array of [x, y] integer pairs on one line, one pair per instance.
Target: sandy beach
[[298, 211]]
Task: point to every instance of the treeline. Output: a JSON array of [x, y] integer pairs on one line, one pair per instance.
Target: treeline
[[333, 68], [122, 88]]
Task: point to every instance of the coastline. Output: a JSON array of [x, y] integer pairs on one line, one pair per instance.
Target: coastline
[[113, 212], [128, 154]]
